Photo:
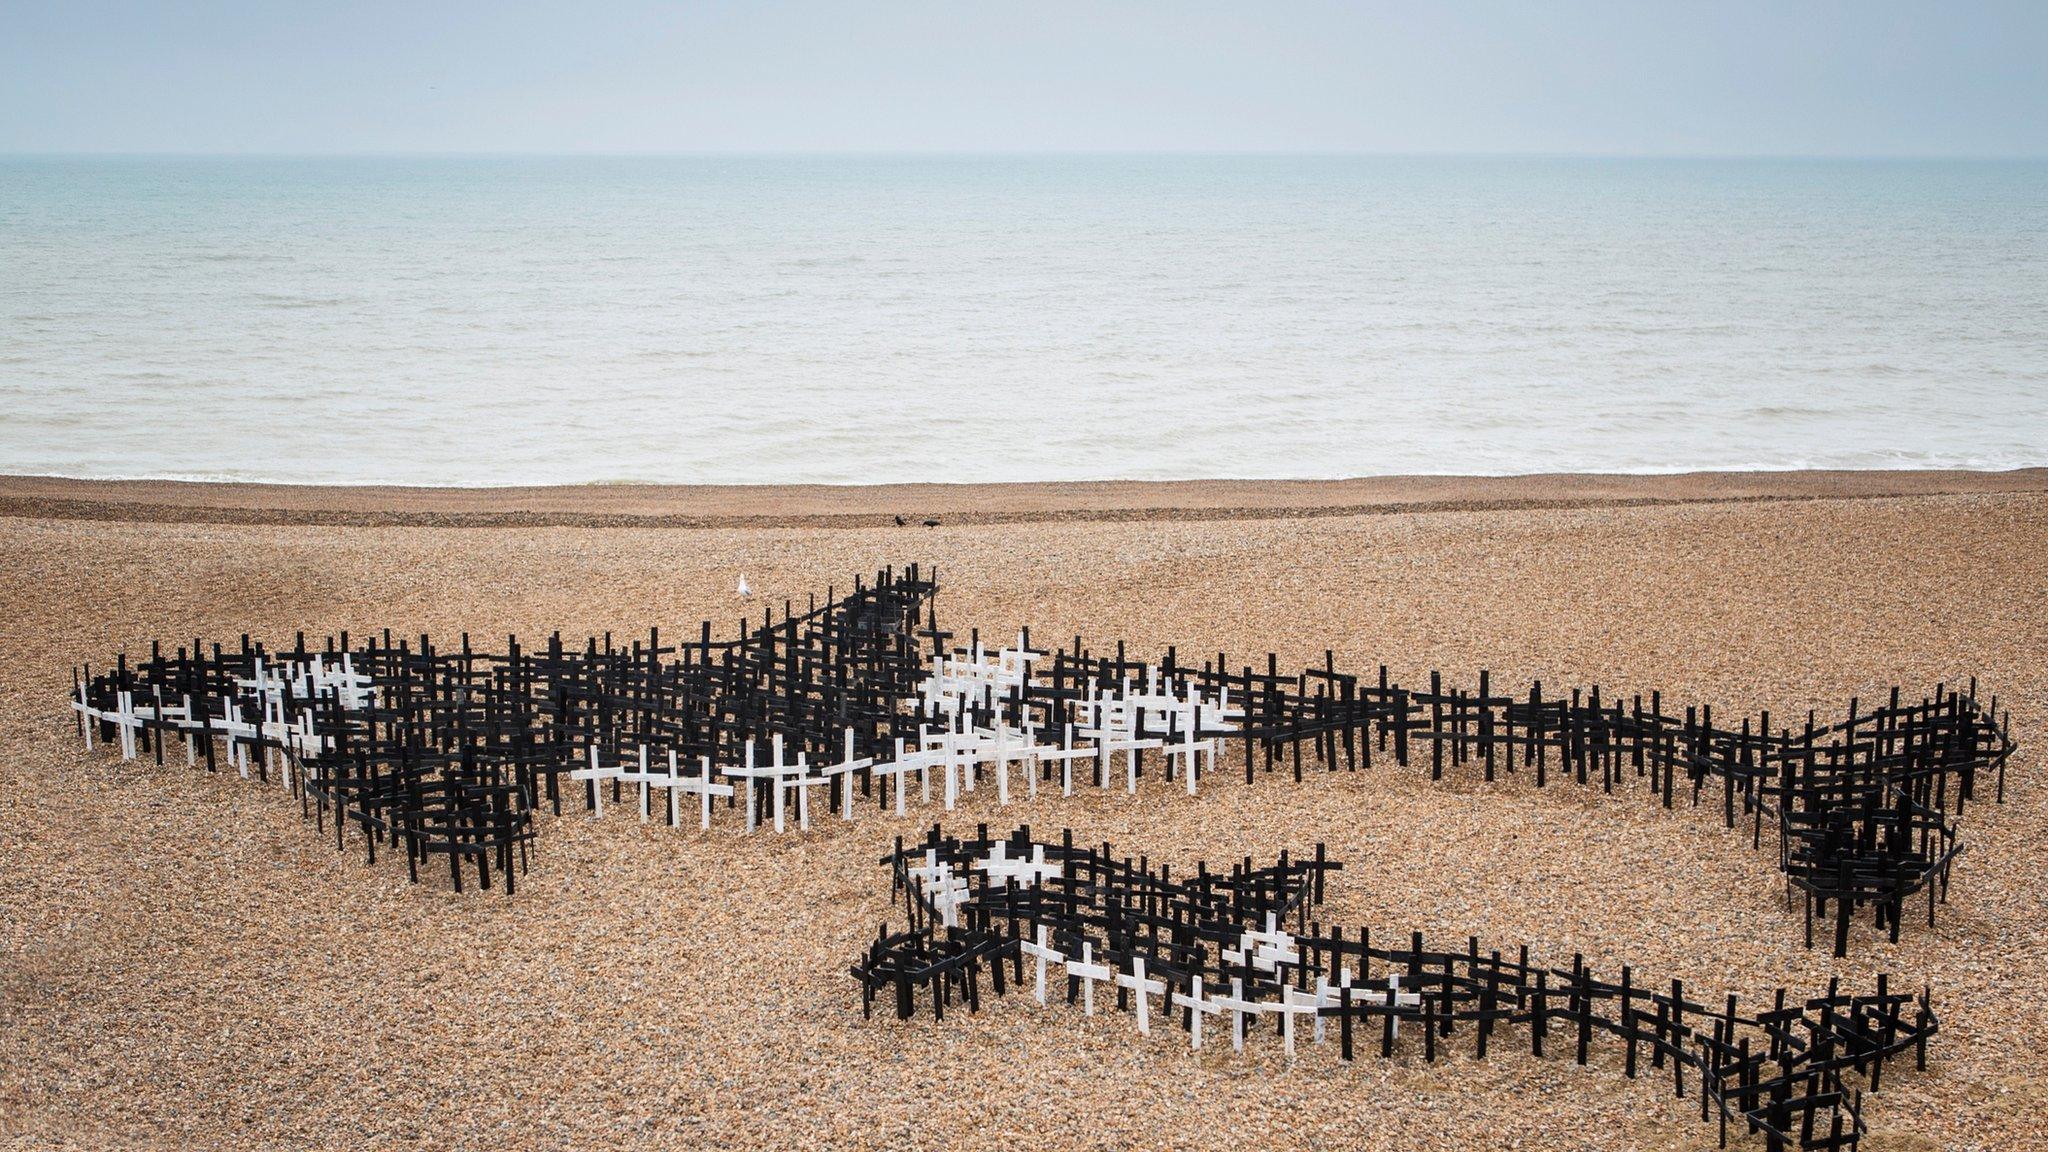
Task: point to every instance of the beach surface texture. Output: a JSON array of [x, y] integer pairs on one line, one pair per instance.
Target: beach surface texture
[[185, 962]]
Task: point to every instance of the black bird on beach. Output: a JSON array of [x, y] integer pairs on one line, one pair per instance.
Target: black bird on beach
[[899, 521], [931, 523]]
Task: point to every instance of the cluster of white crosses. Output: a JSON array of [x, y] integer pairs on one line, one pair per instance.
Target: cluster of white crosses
[[965, 731], [791, 783], [1267, 950], [272, 685], [963, 740]]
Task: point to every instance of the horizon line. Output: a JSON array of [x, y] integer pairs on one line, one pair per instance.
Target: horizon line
[[997, 154]]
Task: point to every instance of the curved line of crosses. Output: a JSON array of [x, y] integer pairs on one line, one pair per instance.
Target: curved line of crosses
[[1239, 944]]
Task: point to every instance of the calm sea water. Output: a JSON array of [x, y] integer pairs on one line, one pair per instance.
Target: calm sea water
[[502, 321]]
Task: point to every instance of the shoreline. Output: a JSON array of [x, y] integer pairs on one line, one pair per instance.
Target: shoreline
[[861, 506]]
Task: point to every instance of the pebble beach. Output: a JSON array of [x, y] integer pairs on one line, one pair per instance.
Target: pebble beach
[[186, 963]]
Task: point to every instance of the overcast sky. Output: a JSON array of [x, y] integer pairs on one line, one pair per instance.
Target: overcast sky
[[1637, 76]]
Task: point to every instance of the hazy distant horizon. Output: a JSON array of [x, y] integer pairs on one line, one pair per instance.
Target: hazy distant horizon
[[1026, 153], [1747, 78]]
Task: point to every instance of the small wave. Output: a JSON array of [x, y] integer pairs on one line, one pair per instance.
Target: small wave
[[674, 353], [1778, 411], [283, 300]]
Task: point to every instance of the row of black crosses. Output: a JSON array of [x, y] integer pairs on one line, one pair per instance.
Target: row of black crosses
[[449, 751], [1232, 950], [1865, 809]]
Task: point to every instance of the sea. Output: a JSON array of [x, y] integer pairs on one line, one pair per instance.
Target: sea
[[851, 319]]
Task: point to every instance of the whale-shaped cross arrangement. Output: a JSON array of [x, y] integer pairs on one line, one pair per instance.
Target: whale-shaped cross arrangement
[[860, 702]]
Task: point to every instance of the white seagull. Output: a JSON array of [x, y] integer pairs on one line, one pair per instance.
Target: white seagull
[[744, 590]]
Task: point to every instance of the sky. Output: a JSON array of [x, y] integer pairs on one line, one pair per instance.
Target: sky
[[1635, 77]]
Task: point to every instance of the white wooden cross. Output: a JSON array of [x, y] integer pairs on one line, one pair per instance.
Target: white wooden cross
[[902, 766], [299, 735], [931, 754], [938, 693], [1327, 995], [1094, 725], [269, 693], [1031, 750], [1266, 950], [1066, 754], [83, 706], [1216, 716], [674, 781], [785, 775], [1016, 663], [235, 729], [1155, 702], [949, 750], [1131, 749], [1043, 952], [954, 752], [948, 894], [703, 787], [943, 890], [125, 719], [1187, 721], [355, 690], [1294, 1002], [751, 773], [845, 769], [178, 714], [1002, 869], [1089, 972], [1239, 1008], [190, 725], [295, 736], [669, 781], [315, 678], [273, 726], [1114, 729], [999, 753], [257, 684], [1197, 1007], [642, 778], [1393, 996], [595, 773], [1019, 745], [1146, 989], [796, 777]]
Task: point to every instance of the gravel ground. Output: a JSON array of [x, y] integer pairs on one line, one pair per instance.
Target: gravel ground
[[185, 964]]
